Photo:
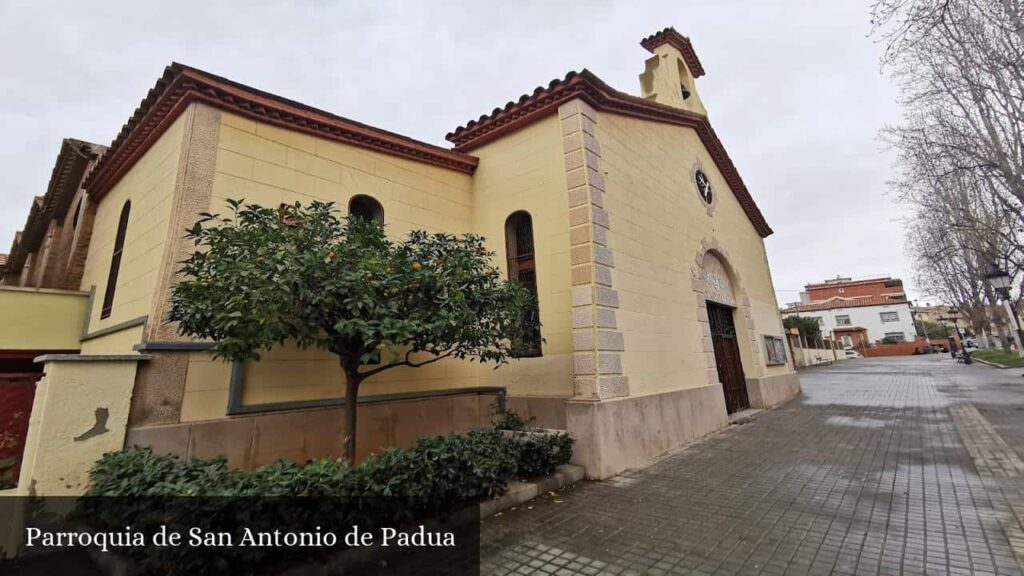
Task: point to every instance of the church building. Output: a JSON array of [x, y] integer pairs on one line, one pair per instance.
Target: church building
[[622, 212]]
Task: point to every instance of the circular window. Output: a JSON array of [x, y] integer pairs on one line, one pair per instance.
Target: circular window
[[703, 186]]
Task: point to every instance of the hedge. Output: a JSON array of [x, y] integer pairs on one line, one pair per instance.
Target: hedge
[[396, 487]]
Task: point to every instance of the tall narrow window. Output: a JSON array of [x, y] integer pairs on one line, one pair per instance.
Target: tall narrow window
[[522, 267], [115, 261], [74, 220], [366, 208]]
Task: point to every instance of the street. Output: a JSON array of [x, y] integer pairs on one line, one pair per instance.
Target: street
[[907, 465]]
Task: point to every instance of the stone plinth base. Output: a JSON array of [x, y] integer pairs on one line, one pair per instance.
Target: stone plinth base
[[623, 433], [772, 390]]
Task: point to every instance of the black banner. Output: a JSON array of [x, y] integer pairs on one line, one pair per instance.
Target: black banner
[[236, 535]]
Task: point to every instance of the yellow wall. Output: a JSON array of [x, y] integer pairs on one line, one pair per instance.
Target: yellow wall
[[41, 319], [267, 165], [149, 184], [657, 224], [525, 171], [118, 342], [65, 406]]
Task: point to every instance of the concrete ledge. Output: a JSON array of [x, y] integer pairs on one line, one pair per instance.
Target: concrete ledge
[[545, 412], [988, 363], [93, 358], [615, 435], [520, 492]]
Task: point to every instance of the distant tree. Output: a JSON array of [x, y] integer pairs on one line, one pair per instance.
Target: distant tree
[[809, 328], [959, 66], [931, 329], [301, 274]]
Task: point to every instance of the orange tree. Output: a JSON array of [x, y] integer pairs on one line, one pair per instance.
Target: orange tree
[[302, 274]]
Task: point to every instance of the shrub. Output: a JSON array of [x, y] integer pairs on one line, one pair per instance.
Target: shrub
[[538, 454], [505, 419], [396, 487], [143, 490]]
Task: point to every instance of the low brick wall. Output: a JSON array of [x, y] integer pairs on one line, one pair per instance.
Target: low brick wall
[[900, 349]]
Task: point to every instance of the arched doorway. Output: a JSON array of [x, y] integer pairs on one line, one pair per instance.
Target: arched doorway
[[721, 303]]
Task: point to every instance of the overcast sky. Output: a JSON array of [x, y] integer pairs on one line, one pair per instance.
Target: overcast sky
[[793, 88]]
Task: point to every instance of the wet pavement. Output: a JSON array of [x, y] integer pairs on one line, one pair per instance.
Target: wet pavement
[[909, 465]]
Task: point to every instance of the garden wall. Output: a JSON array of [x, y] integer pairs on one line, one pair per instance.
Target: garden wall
[[900, 349]]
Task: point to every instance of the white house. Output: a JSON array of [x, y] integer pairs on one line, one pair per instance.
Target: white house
[[843, 318]]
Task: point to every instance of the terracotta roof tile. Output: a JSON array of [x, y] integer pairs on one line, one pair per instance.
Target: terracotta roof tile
[[545, 100], [834, 303], [678, 41], [181, 85], [72, 162]]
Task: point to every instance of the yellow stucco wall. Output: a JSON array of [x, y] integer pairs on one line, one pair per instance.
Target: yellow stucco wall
[[525, 171], [268, 165], [41, 319], [119, 342], [657, 225], [149, 184], [65, 407]]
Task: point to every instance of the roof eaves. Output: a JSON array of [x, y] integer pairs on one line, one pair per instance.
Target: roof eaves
[[545, 101], [679, 42], [182, 85]]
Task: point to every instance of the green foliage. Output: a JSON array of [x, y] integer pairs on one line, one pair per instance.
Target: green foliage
[[397, 487], [809, 328], [931, 329], [298, 273], [1007, 358], [505, 419], [539, 454], [435, 476], [890, 340]]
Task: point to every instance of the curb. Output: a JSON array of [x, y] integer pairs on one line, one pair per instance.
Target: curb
[[520, 492], [987, 363]]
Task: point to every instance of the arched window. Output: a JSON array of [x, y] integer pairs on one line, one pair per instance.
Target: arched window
[[115, 261], [522, 267], [74, 219], [366, 208]]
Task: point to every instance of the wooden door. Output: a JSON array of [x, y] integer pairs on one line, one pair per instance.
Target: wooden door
[[727, 358]]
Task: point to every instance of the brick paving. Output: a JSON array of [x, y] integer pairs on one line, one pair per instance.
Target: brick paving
[[884, 466]]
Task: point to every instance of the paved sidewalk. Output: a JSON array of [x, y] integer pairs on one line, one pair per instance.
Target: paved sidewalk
[[884, 466]]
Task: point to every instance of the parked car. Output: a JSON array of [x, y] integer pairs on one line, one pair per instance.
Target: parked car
[[851, 353]]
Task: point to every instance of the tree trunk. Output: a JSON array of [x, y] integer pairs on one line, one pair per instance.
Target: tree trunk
[[351, 396]]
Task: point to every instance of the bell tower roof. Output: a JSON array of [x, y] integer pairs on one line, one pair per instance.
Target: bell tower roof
[[671, 72], [679, 42]]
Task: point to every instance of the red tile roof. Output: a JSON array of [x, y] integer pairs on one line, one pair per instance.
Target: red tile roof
[[181, 85], [679, 42], [545, 101], [72, 162], [835, 303]]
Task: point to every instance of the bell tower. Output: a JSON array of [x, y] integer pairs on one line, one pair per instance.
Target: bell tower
[[670, 73]]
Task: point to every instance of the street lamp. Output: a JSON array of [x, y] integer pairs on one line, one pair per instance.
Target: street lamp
[[955, 338], [1000, 281]]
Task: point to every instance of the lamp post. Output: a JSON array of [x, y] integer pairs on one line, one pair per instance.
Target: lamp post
[[954, 339], [1000, 281]]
